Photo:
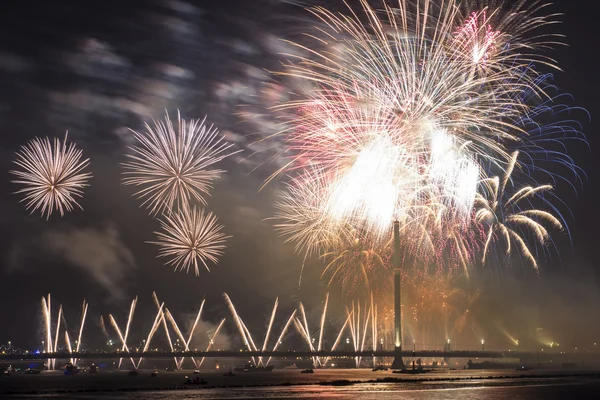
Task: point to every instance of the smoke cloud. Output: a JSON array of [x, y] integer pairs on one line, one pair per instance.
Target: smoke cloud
[[98, 252]]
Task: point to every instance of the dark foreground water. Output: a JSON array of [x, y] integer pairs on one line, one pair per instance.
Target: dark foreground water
[[290, 384]]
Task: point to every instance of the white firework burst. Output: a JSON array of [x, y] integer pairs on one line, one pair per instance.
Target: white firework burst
[[53, 175], [190, 237], [175, 166]]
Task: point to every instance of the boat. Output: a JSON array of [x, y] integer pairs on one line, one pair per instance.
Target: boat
[[154, 374], [252, 368], [307, 371], [93, 369], [32, 371], [491, 365], [196, 381], [229, 374], [523, 368], [133, 373], [71, 369]]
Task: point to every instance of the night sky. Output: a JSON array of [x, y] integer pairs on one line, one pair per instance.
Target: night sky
[[97, 68]]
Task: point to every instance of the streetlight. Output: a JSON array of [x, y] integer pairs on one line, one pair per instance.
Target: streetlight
[[517, 343], [482, 345], [448, 342], [414, 345]]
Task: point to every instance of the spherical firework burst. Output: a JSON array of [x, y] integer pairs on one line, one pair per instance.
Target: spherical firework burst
[[174, 166], [53, 175], [190, 237], [506, 220]]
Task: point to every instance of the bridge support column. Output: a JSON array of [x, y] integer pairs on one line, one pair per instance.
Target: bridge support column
[[398, 363]]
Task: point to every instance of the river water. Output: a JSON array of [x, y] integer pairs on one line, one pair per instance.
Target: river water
[[290, 384]]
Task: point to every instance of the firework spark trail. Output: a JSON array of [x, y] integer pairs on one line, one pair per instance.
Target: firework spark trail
[[305, 335], [239, 323], [68, 344], [118, 330], [124, 338], [48, 323], [268, 333], [322, 329], [249, 337], [359, 327], [374, 322], [191, 334], [129, 319], [339, 336], [47, 310], [157, 321], [84, 309], [322, 326], [58, 321], [179, 362], [164, 324], [211, 341], [283, 332], [103, 327], [53, 176], [354, 327], [364, 335], [306, 332], [190, 237], [180, 334], [305, 326], [175, 167]]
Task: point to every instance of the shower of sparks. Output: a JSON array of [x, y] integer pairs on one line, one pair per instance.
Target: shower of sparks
[[190, 237], [53, 175], [174, 166]]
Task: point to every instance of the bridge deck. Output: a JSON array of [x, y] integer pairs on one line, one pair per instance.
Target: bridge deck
[[285, 354]]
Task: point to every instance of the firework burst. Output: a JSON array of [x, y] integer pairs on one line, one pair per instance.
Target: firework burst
[[174, 166], [302, 216], [53, 175], [409, 109], [507, 220], [190, 237]]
